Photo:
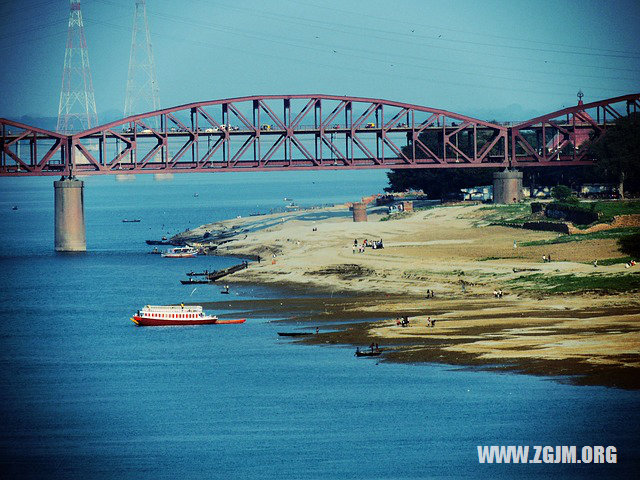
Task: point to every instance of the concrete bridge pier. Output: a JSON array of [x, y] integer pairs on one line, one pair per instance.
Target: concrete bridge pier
[[69, 215], [507, 186]]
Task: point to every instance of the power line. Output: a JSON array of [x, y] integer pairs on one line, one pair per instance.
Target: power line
[[483, 34]]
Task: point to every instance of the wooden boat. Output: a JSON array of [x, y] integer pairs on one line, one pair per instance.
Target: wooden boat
[[193, 281], [198, 274], [231, 322], [294, 334], [213, 276], [166, 315], [368, 353]]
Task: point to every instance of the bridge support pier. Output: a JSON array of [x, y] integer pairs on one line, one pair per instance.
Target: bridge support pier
[[69, 215], [507, 186], [359, 212]]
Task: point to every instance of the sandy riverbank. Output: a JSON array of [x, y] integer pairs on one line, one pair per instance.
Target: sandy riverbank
[[455, 253]]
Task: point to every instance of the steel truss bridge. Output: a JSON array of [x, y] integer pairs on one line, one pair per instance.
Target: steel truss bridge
[[306, 132]]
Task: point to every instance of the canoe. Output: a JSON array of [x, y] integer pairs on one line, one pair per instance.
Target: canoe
[[294, 334], [369, 353], [193, 281], [229, 322], [198, 274]]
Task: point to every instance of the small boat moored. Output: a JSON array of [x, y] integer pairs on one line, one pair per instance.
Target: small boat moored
[[135, 220], [166, 315], [180, 252], [368, 353], [192, 280]]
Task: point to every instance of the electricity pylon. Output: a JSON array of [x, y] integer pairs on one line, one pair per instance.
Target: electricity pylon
[[142, 86], [77, 109]]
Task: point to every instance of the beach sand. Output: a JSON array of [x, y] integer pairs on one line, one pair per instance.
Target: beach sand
[[355, 298]]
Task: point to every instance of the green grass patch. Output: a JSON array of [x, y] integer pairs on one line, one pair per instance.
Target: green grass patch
[[613, 233], [608, 210], [595, 282], [395, 216], [512, 213], [612, 261]]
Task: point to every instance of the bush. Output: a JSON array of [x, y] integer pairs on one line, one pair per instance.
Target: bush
[[561, 193], [576, 213], [537, 207], [630, 244]]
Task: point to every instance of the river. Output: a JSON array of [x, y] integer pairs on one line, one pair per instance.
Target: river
[[86, 394]]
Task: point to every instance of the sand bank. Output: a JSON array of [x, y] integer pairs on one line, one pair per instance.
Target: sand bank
[[452, 252]]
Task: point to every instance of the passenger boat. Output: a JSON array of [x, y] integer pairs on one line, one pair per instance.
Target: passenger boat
[[180, 252], [165, 315]]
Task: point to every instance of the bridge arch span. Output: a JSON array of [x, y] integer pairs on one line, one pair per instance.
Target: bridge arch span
[[293, 132]]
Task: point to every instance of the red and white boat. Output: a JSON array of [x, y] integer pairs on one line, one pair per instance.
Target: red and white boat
[[162, 315], [180, 252]]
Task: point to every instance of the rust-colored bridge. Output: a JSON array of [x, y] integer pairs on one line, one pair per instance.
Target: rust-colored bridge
[[293, 132]]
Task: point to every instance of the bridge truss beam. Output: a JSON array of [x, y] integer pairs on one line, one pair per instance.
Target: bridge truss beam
[[300, 132]]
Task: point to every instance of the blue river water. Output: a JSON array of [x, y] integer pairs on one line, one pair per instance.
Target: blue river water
[[86, 394]]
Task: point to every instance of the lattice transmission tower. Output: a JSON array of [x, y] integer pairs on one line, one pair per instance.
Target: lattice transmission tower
[[77, 109], [142, 85]]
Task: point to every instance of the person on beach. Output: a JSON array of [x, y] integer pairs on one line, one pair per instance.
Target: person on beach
[[433, 322], [317, 330], [377, 348], [544, 259], [354, 249], [428, 321]]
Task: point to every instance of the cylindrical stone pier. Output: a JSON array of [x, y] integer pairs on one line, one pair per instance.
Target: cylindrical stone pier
[[359, 212], [507, 186], [69, 216]]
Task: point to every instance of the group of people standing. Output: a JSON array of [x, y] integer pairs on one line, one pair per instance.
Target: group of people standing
[[497, 293], [546, 258], [366, 243]]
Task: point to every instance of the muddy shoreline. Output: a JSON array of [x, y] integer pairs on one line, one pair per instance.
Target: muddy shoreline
[[353, 319]]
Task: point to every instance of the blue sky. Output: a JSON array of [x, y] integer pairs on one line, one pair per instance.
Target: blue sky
[[492, 59]]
